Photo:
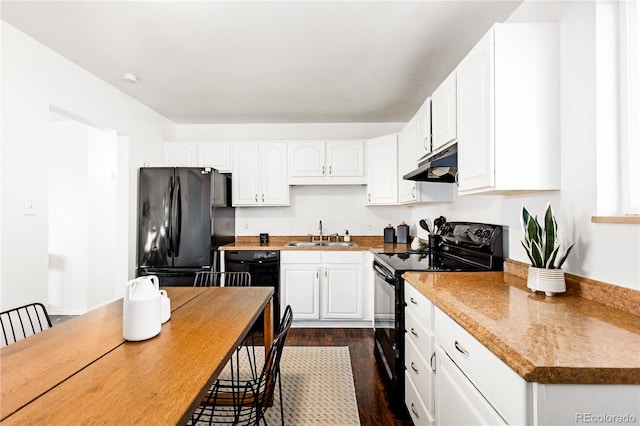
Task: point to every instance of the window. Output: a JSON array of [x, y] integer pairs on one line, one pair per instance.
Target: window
[[629, 21], [618, 111]]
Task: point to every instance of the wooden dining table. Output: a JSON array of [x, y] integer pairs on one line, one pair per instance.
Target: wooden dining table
[[84, 372]]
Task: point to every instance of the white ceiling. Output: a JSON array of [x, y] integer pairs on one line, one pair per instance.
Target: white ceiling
[[265, 62]]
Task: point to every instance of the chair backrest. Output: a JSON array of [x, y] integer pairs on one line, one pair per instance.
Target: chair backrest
[[271, 368], [222, 279], [24, 321]]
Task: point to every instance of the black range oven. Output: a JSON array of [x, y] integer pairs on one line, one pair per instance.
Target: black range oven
[[465, 247]]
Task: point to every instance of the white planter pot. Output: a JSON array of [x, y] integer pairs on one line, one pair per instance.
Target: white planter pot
[[550, 281]]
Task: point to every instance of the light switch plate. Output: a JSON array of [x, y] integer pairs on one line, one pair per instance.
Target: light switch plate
[[29, 206]]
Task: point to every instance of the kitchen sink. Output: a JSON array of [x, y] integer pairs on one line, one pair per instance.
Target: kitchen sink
[[302, 244], [340, 244], [317, 243]]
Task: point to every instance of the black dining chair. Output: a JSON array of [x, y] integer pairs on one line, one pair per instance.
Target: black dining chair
[[23, 321], [244, 402], [222, 279]]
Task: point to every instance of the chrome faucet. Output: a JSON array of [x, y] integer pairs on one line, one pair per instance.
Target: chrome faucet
[[320, 229]]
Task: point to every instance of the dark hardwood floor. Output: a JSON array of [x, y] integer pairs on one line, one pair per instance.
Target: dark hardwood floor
[[373, 403]]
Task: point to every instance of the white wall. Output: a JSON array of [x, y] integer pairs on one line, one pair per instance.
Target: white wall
[[35, 79], [594, 255]]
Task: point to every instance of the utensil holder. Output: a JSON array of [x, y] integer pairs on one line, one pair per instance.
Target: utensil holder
[[435, 241]]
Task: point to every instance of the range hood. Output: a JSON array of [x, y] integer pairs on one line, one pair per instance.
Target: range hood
[[439, 167]]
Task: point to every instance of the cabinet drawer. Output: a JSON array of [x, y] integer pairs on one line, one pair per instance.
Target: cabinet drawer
[[420, 305], [499, 384], [421, 336], [418, 367], [419, 413], [300, 256]]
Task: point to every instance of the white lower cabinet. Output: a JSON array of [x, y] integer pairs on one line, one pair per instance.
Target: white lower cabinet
[[458, 402], [452, 379], [324, 285], [419, 341]]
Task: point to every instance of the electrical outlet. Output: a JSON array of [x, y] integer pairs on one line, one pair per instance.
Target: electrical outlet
[[367, 226], [291, 225], [245, 226]]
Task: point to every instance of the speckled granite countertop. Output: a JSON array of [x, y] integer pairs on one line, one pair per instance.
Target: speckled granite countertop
[[561, 339]]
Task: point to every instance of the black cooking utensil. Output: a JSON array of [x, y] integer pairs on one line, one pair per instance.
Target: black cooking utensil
[[424, 225], [438, 223]]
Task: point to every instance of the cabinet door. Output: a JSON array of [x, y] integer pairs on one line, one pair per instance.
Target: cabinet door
[[458, 402], [475, 117], [443, 112], [306, 158], [300, 288], [215, 154], [382, 166], [342, 290], [180, 154], [345, 158], [407, 189], [423, 130], [273, 174], [246, 173]]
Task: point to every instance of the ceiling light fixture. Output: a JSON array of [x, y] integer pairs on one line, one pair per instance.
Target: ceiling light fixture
[[132, 78]]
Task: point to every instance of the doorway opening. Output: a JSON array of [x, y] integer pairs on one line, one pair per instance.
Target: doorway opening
[[87, 214]]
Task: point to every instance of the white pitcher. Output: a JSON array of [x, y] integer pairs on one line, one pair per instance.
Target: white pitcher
[[141, 309], [165, 306]]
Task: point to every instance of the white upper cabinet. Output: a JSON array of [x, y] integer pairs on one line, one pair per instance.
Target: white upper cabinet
[[508, 111], [260, 174], [410, 191], [443, 113], [407, 189], [198, 154], [326, 162], [215, 154], [382, 166], [423, 129], [180, 154], [306, 159]]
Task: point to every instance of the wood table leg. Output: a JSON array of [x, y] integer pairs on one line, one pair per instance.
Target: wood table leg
[[268, 336], [268, 327]]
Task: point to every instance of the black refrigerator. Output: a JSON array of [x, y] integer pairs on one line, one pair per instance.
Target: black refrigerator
[[184, 216]]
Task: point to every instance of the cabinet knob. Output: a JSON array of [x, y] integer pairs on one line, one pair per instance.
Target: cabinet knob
[[330, 169], [414, 332], [432, 362], [369, 197], [263, 198], [323, 170], [256, 198], [413, 367]]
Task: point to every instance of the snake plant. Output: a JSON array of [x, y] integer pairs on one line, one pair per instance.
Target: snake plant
[[540, 242]]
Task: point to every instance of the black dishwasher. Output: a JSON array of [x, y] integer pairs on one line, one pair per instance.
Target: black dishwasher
[[264, 267]]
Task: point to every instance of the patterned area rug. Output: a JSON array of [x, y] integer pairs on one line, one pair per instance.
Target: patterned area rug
[[317, 387]]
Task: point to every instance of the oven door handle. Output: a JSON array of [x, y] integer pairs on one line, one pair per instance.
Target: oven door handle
[[384, 274]]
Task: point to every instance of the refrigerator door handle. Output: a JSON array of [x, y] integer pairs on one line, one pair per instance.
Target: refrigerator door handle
[[176, 217], [168, 216]]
